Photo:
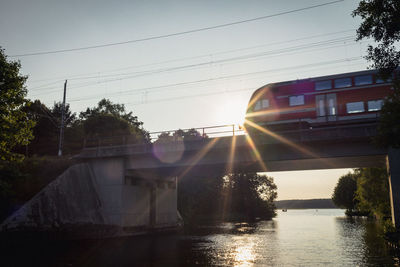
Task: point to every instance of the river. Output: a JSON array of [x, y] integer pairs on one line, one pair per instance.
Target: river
[[293, 238]]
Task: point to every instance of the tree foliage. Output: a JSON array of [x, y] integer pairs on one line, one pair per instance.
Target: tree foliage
[[389, 122], [189, 135], [381, 22], [252, 195], [69, 116], [373, 191], [181, 135], [236, 196], [105, 106], [344, 192], [194, 194], [109, 119], [105, 120], [44, 132], [15, 126], [47, 129], [364, 191]]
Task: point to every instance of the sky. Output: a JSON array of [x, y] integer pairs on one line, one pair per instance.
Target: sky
[[173, 67]]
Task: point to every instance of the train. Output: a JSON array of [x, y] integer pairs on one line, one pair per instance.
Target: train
[[355, 97]]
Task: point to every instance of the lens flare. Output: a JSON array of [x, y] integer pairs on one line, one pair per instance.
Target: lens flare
[[281, 139], [199, 155], [286, 141], [256, 153], [226, 190], [169, 151]]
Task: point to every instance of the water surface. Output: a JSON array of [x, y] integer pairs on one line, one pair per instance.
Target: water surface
[[293, 238]]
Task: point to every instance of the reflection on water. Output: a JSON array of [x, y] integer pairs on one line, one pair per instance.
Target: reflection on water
[[294, 238]]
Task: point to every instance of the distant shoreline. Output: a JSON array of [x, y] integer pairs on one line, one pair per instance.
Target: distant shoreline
[[324, 203]]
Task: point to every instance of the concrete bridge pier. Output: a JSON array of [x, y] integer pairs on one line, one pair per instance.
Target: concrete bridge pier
[[100, 198], [151, 199], [393, 167]]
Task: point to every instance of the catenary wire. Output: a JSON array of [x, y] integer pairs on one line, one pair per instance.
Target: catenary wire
[[256, 56], [79, 76], [175, 34], [220, 78]]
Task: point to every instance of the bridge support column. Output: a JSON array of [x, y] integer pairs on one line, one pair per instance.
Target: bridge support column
[[393, 167]]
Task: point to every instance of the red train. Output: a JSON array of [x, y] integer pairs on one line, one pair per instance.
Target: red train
[[320, 101]]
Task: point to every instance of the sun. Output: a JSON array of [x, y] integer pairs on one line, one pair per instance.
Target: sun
[[232, 111]]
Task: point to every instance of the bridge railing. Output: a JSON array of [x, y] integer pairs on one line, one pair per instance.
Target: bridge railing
[[197, 133], [330, 130]]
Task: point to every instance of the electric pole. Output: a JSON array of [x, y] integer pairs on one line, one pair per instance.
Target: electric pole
[[60, 144]]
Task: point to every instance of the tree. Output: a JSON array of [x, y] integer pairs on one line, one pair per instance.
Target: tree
[[181, 135], [189, 135], [15, 126], [69, 117], [251, 195], [73, 129], [364, 191], [105, 106], [389, 122], [236, 196], [344, 192], [109, 119], [373, 191], [381, 22], [44, 132], [195, 190], [47, 129]]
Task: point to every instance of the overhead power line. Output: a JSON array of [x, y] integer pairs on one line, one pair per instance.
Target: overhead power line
[[209, 55], [176, 33], [195, 95], [192, 96], [244, 58], [153, 88]]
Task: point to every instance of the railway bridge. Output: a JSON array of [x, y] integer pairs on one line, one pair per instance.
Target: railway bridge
[[133, 187]]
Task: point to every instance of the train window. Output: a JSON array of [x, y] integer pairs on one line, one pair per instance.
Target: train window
[[362, 80], [342, 82], [265, 103], [321, 106], [375, 105], [355, 107], [331, 99], [296, 100], [379, 80], [323, 85], [257, 106], [261, 104]]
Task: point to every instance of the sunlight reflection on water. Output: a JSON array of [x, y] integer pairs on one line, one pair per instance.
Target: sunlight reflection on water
[[298, 238]]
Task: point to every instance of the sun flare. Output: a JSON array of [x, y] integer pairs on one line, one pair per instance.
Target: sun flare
[[232, 111]]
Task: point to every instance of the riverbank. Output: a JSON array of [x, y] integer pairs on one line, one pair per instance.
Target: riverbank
[[305, 204]]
